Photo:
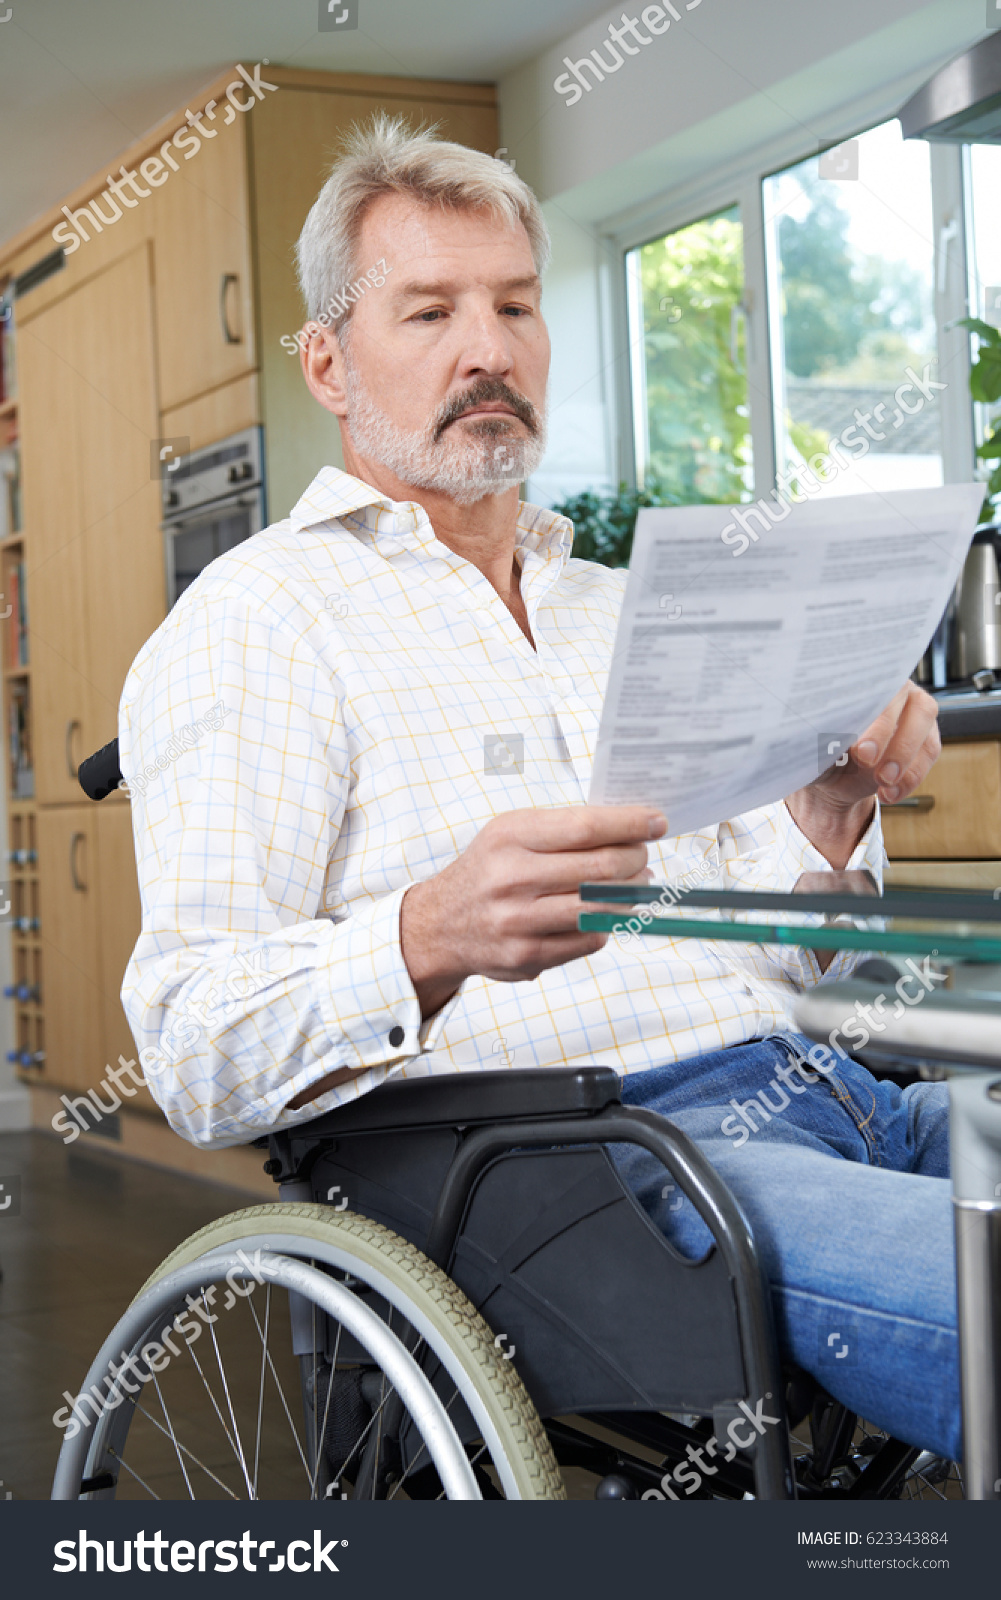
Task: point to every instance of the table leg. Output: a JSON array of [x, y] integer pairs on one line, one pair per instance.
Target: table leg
[[975, 1106]]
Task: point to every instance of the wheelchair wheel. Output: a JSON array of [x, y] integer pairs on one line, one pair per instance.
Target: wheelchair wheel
[[295, 1351]]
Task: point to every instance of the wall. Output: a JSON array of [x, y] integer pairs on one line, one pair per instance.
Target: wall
[[580, 454]]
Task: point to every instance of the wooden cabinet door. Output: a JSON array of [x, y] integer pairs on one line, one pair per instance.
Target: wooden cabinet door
[[69, 931], [95, 580], [120, 922], [52, 394], [204, 294], [124, 590], [955, 813]]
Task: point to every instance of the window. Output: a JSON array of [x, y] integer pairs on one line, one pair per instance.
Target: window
[[689, 383], [984, 222], [850, 262]]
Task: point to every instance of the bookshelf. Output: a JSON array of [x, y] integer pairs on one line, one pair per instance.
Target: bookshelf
[[20, 903]]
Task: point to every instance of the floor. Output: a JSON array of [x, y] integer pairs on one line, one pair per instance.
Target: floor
[[87, 1232]]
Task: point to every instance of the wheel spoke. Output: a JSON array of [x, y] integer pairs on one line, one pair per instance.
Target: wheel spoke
[[367, 1429], [189, 1453], [326, 1412], [232, 1413], [173, 1438], [208, 1391], [260, 1391], [281, 1393], [122, 1462]]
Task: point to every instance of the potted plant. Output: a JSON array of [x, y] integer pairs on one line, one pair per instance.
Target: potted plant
[[985, 386], [604, 523]]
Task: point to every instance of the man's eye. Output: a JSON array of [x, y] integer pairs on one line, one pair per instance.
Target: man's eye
[[429, 316], [515, 311]]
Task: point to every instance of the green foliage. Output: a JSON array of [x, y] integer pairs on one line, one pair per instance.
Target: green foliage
[[985, 386], [604, 523], [699, 439], [836, 305]]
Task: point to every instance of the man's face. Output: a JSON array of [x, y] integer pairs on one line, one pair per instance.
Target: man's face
[[445, 366]]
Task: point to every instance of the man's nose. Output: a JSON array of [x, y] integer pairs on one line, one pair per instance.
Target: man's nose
[[485, 347]]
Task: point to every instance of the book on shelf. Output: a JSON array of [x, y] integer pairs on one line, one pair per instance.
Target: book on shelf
[[10, 491], [17, 617], [22, 618], [8, 379], [12, 606], [22, 769]]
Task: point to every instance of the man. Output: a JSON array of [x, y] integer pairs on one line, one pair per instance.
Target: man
[[370, 867]]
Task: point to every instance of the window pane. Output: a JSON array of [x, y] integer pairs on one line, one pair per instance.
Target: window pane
[[689, 379], [852, 319], [985, 231]]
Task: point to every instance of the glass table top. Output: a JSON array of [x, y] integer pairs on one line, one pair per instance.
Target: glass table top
[[824, 911]]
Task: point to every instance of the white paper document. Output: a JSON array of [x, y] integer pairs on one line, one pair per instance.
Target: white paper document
[[751, 654]]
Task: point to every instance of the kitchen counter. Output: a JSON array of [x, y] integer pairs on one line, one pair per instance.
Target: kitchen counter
[[968, 714]]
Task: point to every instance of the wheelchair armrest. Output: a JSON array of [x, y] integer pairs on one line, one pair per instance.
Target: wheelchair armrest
[[464, 1098]]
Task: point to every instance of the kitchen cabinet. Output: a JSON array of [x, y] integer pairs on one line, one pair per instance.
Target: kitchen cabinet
[[204, 293], [120, 923], [93, 564], [70, 927], [956, 813]]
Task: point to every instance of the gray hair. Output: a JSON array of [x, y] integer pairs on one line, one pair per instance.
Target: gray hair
[[388, 157]]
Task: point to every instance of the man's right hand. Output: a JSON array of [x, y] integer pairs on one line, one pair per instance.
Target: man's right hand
[[507, 908]]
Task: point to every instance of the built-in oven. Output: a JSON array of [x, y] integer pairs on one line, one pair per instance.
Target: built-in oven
[[213, 499]]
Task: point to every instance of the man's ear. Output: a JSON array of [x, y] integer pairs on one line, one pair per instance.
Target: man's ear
[[322, 361]]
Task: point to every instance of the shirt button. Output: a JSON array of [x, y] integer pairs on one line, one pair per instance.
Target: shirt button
[[396, 1035]]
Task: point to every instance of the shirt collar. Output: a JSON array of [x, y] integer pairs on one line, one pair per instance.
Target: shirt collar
[[335, 496]]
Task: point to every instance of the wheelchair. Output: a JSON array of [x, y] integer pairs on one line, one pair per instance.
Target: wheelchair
[[457, 1296]]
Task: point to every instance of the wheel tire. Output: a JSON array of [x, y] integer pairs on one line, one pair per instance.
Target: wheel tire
[[364, 1248]]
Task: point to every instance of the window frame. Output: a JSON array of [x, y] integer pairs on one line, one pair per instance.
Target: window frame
[[743, 186]]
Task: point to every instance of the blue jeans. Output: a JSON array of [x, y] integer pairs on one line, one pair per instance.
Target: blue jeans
[[845, 1182]]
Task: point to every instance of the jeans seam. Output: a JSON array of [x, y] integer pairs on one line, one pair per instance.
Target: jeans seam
[[844, 1099]]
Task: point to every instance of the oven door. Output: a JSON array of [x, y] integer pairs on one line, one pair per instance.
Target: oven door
[[196, 537]]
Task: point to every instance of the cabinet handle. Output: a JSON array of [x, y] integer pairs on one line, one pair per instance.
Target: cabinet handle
[[229, 337], [72, 727], [75, 842], [914, 802]]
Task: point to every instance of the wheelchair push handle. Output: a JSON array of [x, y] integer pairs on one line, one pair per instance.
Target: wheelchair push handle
[[101, 773]]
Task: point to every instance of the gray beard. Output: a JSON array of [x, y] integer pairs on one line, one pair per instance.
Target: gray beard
[[486, 458]]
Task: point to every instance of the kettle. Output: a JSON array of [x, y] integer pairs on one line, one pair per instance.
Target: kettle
[[976, 626]]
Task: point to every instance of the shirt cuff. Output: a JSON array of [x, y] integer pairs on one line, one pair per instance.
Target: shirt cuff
[[383, 1029]]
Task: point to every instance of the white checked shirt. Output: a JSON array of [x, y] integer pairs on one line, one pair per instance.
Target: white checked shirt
[[363, 671]]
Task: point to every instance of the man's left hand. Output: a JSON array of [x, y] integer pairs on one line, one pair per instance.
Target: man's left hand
[[891, 757], [889, 760]]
